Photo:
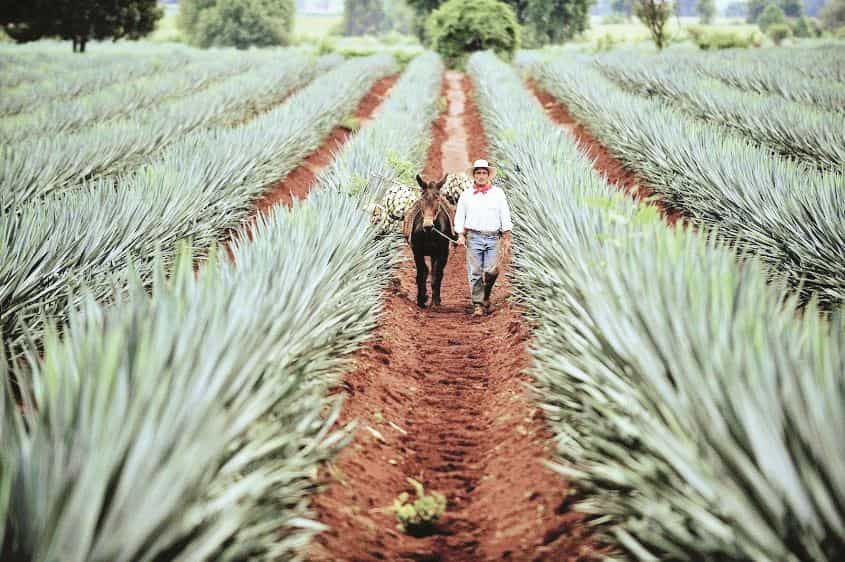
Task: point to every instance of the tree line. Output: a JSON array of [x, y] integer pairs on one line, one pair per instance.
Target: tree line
[[78, 21]]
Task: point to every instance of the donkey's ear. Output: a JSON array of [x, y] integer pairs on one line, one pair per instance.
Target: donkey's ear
[[421, 182], [442, 182]]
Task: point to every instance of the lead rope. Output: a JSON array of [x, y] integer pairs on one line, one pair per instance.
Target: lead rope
[[453, 241]]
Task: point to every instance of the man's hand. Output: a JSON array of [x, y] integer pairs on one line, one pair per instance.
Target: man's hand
[[462, 240]]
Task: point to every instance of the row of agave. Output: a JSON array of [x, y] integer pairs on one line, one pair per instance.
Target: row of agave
[[793, 129], [64, 78], [46, 164], [197, 189], [792, 217], [697, 413], [27, 66], [774, 73], [188, 424], [125, 98], [818, 61]]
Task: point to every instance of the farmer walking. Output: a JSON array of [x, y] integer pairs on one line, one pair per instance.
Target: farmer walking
[[483, 224]]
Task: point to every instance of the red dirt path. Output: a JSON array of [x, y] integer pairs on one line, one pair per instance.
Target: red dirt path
[[603, 162], [440, 396], [300, 180]]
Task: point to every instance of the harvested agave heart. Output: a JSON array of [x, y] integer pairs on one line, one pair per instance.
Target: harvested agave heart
[[455, 185], [399, 199]]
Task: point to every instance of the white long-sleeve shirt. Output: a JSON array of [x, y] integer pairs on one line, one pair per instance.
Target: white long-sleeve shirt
[[487, 212]]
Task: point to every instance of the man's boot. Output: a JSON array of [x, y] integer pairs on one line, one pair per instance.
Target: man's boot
[[489, 281]]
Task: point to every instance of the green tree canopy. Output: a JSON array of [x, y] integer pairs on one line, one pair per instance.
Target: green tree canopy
[[555, 21], [80, 20], [546, 20], [460, 27], [237, 23], [833, 14], [655, 15], [790, 8], [772, 15]]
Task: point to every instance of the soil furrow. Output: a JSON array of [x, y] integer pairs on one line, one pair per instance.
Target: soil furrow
[[603, 161], [299, 181], [440, 397]]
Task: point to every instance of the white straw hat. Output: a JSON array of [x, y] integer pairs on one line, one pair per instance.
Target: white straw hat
[[483, 164]]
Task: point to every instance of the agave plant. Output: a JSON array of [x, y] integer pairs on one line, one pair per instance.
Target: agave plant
[[697, 412], [784, 73], [187, 425], [792, 217], [205, 402], [198, 189], [47, 164], [793, 129], [126, 98], [28, 97]]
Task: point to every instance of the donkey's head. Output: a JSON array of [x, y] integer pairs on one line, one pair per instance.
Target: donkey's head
[[430, 200]]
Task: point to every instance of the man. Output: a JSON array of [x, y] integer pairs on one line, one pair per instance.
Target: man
[[483, 224]]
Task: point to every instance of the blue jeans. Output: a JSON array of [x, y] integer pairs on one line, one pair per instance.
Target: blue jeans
[[482, 257]]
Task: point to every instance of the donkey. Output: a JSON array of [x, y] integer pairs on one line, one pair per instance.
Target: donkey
[[432, 213]]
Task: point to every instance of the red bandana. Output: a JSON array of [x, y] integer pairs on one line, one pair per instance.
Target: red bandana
[[482, 188]]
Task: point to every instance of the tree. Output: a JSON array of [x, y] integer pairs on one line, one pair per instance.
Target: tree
[[237, 23], [833, 15], [772, 15], [655, 14], [362, 17], [189, 13], [791, 8], [778, 32], [80, 20], [806, 27], [545, 20], [706, 10], [428, 6], [555, 21], [460, 27]]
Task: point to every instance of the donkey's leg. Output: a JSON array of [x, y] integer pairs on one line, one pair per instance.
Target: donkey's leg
[[422, 279], [438, 264]]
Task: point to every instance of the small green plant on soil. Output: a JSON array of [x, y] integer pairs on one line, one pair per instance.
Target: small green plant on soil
[[351, 123], [420, 514]]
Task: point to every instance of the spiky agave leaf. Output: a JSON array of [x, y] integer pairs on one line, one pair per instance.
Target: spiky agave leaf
[[789, 216], [665, 367], [204, 402], [199, 187], [793, 129], [48, 164]]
